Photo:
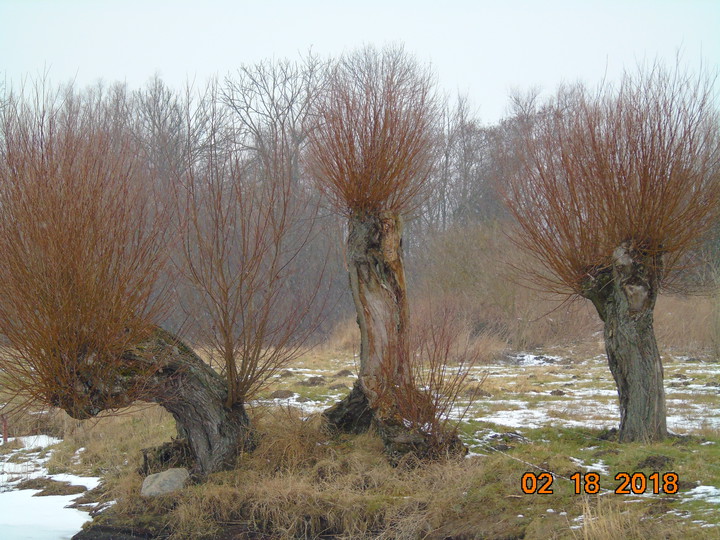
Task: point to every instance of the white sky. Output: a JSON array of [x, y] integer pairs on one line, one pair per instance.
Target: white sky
[[481, 48]]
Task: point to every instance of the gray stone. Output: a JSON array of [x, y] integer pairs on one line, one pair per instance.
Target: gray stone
[[164, 482]]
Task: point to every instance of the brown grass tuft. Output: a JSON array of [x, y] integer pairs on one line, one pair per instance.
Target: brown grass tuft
[[288, 441], [604, 518]]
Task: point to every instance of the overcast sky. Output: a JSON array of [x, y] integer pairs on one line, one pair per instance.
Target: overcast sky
[[480, 48]]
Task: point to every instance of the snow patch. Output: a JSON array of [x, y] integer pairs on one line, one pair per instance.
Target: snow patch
[[598, 466], [528, 359], [38, 518], [709, 494], [23, 516]]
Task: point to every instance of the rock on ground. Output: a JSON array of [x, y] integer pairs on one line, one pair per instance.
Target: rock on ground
[[164, 482]]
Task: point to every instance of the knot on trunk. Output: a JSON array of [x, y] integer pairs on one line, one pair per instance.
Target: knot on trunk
[[637, 297], [636, 273], [375, 237]]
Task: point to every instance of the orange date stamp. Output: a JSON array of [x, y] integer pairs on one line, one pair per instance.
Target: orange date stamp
[[589, 483]]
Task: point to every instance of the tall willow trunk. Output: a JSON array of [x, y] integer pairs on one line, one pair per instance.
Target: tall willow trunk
[[170, 374], [625, 298], [377, 281]]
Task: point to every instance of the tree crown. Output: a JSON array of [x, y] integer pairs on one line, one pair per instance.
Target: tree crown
[[82, 244], [635, 165], [372, 151]]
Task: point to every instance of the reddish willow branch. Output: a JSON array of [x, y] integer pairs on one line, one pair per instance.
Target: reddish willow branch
[[373, 148], [83, 245], [638, 164]]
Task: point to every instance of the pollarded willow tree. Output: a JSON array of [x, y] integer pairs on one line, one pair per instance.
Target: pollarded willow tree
[[615, 187], [372, 154], [89, 183], [85, 242]]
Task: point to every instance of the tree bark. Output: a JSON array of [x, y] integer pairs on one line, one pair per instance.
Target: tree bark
[[624, 297], [377, 282], [165, 371]]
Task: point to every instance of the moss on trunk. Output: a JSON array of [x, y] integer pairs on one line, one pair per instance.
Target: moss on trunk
[[165, 371]]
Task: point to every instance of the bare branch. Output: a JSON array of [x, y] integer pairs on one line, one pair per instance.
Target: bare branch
[[373, 150]]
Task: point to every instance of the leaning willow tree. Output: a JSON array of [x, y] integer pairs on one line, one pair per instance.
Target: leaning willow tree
[[371, 155], [85, 243], [98, 191], [616, 187]]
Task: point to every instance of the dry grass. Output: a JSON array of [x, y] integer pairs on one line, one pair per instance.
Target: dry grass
[[29, 421], [688, 324], [473, 268], [287, 442], [304, 482], [342, 487], [113, 443], [344, 337], [605, 518]]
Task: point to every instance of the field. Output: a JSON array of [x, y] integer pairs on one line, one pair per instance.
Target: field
[[545, 411]]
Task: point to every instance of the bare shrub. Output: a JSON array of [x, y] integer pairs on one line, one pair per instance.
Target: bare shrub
[[437, 396], [248, 221], [238, 256]]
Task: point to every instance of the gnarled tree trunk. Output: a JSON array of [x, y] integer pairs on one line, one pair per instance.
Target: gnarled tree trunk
[[170, 374], [377, 281], [624, 297]]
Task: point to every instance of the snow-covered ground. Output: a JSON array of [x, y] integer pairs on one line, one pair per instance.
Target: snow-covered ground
[[595, 406], [24, 516]]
